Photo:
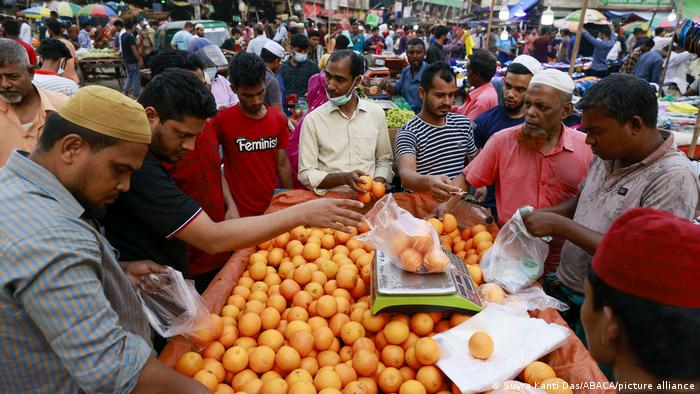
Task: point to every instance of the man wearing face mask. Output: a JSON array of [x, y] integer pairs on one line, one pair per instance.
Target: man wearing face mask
[[540, 163], [53, 55], [23, 105], [296, 71], [346, 137], [155, 220]]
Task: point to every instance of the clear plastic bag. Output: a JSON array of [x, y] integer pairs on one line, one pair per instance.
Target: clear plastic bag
[[411, 243], [172, 305], [516, 258]]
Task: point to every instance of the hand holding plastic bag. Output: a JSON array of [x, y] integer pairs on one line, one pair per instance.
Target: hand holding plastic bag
[[516, 258], [172, 305], [412, 243]]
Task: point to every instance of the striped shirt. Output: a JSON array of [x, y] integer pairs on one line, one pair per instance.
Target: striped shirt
[[55, 83], [439, 150], [69, 318]]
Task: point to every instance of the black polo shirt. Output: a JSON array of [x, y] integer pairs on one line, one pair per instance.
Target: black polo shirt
[[143, 222], [296, 79]]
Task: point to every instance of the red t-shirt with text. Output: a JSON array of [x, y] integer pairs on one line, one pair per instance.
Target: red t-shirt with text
[[250, 155]]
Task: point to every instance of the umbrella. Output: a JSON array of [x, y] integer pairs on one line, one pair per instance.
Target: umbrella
[[64, 8], [97, 10], [35, 12], [571, 21], [658, 22]]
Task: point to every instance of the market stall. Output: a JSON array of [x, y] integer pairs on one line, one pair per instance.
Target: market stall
[[570, 361], [100, 64]]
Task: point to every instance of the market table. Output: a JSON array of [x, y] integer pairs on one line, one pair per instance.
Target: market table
[[571, 361], [101, 68]]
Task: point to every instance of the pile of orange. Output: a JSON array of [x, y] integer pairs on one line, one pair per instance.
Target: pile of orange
[[298, 322]]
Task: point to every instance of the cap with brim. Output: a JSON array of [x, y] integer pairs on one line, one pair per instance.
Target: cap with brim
[[109, 112]]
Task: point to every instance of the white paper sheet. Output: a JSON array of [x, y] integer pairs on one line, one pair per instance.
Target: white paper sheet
[[518, 340]]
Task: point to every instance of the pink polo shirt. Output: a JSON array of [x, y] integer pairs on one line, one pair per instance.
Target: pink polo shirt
[[478, 101], [523, 176]]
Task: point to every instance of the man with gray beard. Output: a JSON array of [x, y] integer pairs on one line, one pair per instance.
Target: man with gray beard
[[540, 163], [23, 106]]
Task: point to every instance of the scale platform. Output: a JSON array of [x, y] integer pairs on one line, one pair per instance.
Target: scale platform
[[395, 290]]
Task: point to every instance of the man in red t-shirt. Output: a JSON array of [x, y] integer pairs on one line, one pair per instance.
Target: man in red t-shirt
[[12, 29], [254, 137]]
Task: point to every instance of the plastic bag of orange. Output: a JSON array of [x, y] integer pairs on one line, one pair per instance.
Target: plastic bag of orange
[[173, 307], [412, 244]]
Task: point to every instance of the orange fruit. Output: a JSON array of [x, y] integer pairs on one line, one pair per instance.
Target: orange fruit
[[356, 387], [277, 301], [313, 288], [323, 338], [410, 358], [483, 246], [472, 259], [287, 359], [288, 288], [346, 372], [216, 368], [437, 224], [262, 359], [207, 379], [422, 243], [449, 223], [396, 332], [302, 275], [189, 364], [249, 324], [366, 183], [274, 386], [407, 373], [203, 337], [235, 359], [302, 299], [476, 274], [326, 378], [311, 251], [556, 386], [241, 378], [390, 380], [378, 191], [230, 310], [337, 322], [412, 339], [351, 331], [271, 338], [299, 233], [346, 278], [536, 372], [269, 318], [421, 324], [431, 378], [364, 198], [442, 326], [482, 236], [297, 313], [492, 292], [392, 356], [253, 386], [327, 306], [223, 388], [477, 229], [373, 323], [328, 358], [412, 387], [294, 248], [281, 240], [481, 345], [411, 260], [265, 245], [365, 362], [298, 375], [229, 336], [215, 351], [302, 341], [427, 351], [327, 241], [436, 261], [310, 364], [302, 387]]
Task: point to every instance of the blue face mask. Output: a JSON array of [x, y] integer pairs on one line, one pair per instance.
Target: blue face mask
[[300, 58], [341, 100]]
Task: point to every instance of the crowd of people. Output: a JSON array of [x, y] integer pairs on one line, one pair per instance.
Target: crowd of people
[[102, 187]]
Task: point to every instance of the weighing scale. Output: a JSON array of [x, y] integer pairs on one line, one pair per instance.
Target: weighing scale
[[396, 290]]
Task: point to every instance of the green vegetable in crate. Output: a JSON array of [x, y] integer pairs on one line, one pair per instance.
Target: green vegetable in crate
[[397, 118]]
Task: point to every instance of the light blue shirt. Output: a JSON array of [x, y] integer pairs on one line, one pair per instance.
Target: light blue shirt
[[84, 39], [181, 39], [601, 48]]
